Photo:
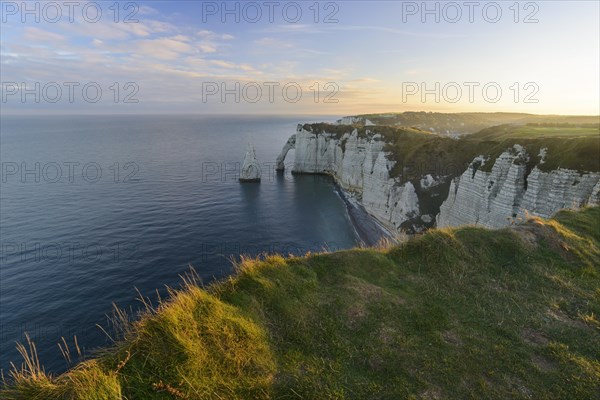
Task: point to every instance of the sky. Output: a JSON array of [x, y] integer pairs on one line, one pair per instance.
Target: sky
[[304, 57]]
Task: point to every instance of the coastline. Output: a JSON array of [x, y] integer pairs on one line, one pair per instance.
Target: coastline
[[368, 229]]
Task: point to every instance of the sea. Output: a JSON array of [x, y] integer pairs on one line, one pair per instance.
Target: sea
[[96, 211]]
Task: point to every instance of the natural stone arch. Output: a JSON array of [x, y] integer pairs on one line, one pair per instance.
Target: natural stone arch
[[289, 145]]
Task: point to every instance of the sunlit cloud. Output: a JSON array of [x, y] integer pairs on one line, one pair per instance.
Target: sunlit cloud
[[170, 56]]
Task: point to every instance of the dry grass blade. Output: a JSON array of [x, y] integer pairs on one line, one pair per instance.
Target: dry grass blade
[[146, 301], [65, 351], [31, 367]]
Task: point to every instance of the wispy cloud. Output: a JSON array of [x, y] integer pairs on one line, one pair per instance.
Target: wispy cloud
[[273, 43], [210, 35], [394, 31], [170, 53], [303, 29], [34, 34]]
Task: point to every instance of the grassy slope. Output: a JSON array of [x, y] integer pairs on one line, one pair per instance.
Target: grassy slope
[[471, 122], [571, 147], [458, 313]]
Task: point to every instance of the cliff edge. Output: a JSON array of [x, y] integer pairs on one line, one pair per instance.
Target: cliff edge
[[413, 180], [450, 314]]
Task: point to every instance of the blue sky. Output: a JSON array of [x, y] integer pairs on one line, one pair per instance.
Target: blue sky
[[374, 56]]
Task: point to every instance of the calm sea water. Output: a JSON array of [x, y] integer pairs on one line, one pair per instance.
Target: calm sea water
[[92, 208]]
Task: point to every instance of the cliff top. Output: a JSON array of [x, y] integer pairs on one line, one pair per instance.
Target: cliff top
[[465, 123], [568, 146], [454, 313], [339, 130], [418, 152]]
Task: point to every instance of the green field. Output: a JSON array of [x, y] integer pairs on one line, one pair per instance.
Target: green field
[[576, 148], [419, 152], [544, 132], [467, 123], [465, 313]]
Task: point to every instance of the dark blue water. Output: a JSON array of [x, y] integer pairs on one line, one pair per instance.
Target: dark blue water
[[93, 207]]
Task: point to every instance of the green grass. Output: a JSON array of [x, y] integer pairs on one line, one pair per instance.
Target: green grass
[[542, 132], [467, 123], [418, 152], [465, 313], [561, 132], [567, 147]]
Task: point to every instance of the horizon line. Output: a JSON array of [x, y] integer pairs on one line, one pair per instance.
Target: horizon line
[[11, 114]]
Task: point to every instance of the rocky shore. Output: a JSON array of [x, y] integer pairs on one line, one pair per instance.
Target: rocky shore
[[368, 229]]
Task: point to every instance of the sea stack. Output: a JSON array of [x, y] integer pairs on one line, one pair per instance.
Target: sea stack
[[250, 169]]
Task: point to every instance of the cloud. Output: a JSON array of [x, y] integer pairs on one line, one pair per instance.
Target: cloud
[[181, 38], [33, 34], [108, 30], [224, 64], [164, 48], [395, 31], [206, 34], [413, 72], [365, 80], [293, 29], [210, 40], [272, 42], [305, 29], [232, 65], [147, 10], [335, 72]]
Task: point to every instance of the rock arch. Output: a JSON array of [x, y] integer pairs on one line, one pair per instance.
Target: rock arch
[[289, 145]]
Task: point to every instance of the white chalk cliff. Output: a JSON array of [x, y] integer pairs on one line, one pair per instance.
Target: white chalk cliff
[[508, 192], [359, 165], [250, 169], [496, 198]]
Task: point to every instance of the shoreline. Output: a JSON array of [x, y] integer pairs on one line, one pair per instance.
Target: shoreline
[[368, 229]]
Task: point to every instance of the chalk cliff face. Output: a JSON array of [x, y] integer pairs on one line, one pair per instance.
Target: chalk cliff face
[[359, 165], [509, 192], [512, 189]]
